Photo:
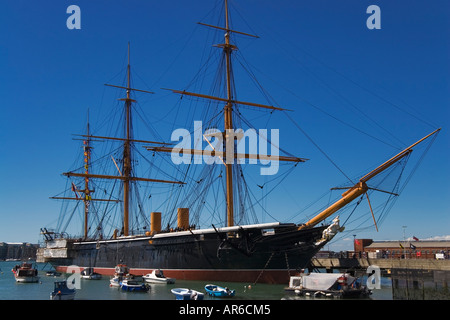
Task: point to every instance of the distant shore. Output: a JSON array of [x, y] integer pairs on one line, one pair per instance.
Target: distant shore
[[17, 251]]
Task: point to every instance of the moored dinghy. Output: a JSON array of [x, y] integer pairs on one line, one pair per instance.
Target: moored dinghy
[[52, 273], [89, 273], [220, 292], [187, 294]]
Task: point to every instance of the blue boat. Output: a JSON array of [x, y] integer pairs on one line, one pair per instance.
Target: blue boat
[[133, 285], [187, 294], [62, 292], [219, 292]]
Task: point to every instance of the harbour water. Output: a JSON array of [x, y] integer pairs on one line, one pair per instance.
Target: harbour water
[[100, 289]]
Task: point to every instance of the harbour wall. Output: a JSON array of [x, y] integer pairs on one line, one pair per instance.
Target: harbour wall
[[416, 284], [384, 264], [18, 251], [412, 279]]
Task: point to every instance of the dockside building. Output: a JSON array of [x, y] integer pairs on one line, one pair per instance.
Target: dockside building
[[411, 249]]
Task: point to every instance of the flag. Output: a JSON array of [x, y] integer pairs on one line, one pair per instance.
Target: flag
[[412, 246], [417, 239], [74, 189]]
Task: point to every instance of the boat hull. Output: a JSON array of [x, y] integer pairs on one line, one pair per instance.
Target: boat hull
[[25, 273], [92, 277], [133, 287], [155, 280], [245, 255], [27, 279], [219, 292], [187, 294], [62, 292], [65, 296], [114, 282]]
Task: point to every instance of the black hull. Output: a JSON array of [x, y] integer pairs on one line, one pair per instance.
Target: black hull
[[246, 255]]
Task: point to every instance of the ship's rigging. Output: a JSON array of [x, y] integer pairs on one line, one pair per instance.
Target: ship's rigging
[[195, 187]]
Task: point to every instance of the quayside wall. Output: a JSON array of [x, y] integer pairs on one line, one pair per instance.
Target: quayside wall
[[18, 251], [385, 264]]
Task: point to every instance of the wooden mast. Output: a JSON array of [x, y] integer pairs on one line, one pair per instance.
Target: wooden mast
[[227, 48], [127, 155], [228, 121], [126, 174], [87, 198], [87, 192]]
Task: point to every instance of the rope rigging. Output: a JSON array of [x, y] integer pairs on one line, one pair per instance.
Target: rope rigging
[[197, 195]]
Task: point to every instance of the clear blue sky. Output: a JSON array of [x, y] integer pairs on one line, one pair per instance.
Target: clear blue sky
[[309, 53]]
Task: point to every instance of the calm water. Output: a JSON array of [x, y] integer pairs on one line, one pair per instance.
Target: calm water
[[100, 290]]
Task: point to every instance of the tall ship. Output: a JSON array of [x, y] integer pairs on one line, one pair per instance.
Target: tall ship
[[122, 222]]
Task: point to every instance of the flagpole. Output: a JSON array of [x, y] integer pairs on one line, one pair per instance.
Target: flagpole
[[404, 241]]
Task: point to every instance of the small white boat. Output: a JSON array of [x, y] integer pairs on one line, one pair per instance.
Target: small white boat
[[62, 292], [25, 273], [187, 294], [89, 273], [121, 272], [115, 281], [157, 276]]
